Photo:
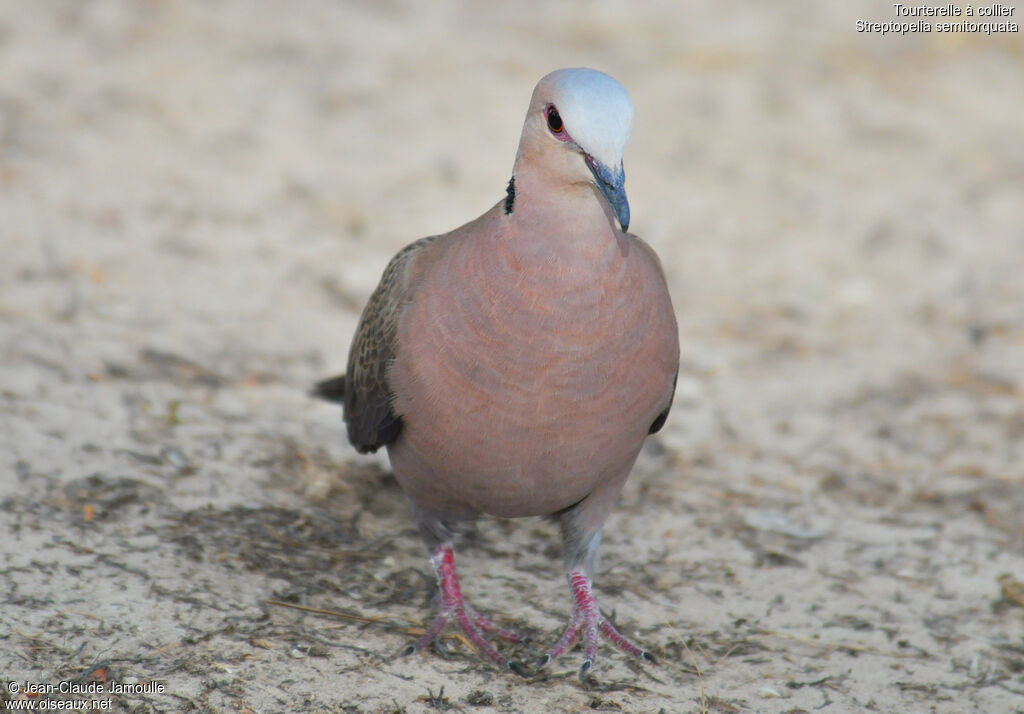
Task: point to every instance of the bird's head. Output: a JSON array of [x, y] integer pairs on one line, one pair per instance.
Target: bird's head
[[576, 129]]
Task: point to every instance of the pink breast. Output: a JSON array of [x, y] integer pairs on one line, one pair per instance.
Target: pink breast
[[543, 376]]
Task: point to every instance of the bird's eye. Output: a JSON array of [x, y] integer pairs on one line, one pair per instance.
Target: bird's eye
[[554, 121]]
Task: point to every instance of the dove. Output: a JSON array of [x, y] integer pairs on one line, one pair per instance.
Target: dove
[[514, 366]]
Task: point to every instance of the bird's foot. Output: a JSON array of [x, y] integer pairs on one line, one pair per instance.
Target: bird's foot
[[454, 607], [587, 623]]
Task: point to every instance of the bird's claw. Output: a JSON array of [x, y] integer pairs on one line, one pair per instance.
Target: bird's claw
[[517, 668], [587, 623], [584, 668], [454, 607]]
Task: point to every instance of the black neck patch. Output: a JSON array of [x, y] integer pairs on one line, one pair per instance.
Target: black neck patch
[[510, 195]]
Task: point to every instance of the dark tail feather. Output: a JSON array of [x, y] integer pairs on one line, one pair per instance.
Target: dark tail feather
[[331, 390]]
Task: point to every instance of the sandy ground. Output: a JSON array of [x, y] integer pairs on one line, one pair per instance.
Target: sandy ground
[[197, 198]]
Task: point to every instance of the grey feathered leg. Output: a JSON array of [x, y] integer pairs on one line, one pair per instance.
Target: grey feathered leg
[[587, 622]]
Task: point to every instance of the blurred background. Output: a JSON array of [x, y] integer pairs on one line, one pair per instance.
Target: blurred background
[[196, 199]]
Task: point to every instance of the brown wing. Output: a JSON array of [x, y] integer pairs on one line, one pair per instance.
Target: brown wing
[[660, 420], [364, 389]]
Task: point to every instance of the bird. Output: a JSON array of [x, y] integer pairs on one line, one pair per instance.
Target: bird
[[514, 366]]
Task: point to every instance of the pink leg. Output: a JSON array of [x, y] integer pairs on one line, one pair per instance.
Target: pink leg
[[454, 607], [588, 621], [485, 624], [566, 641]]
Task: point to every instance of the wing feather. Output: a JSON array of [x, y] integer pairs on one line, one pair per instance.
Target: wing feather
[[364, 390]]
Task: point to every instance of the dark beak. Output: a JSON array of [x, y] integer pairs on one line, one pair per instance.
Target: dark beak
[[612, 185]]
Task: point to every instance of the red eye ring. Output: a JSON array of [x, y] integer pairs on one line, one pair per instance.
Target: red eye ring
[[554, 120]]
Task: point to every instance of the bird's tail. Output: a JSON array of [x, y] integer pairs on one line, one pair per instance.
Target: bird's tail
[[331, 390]]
